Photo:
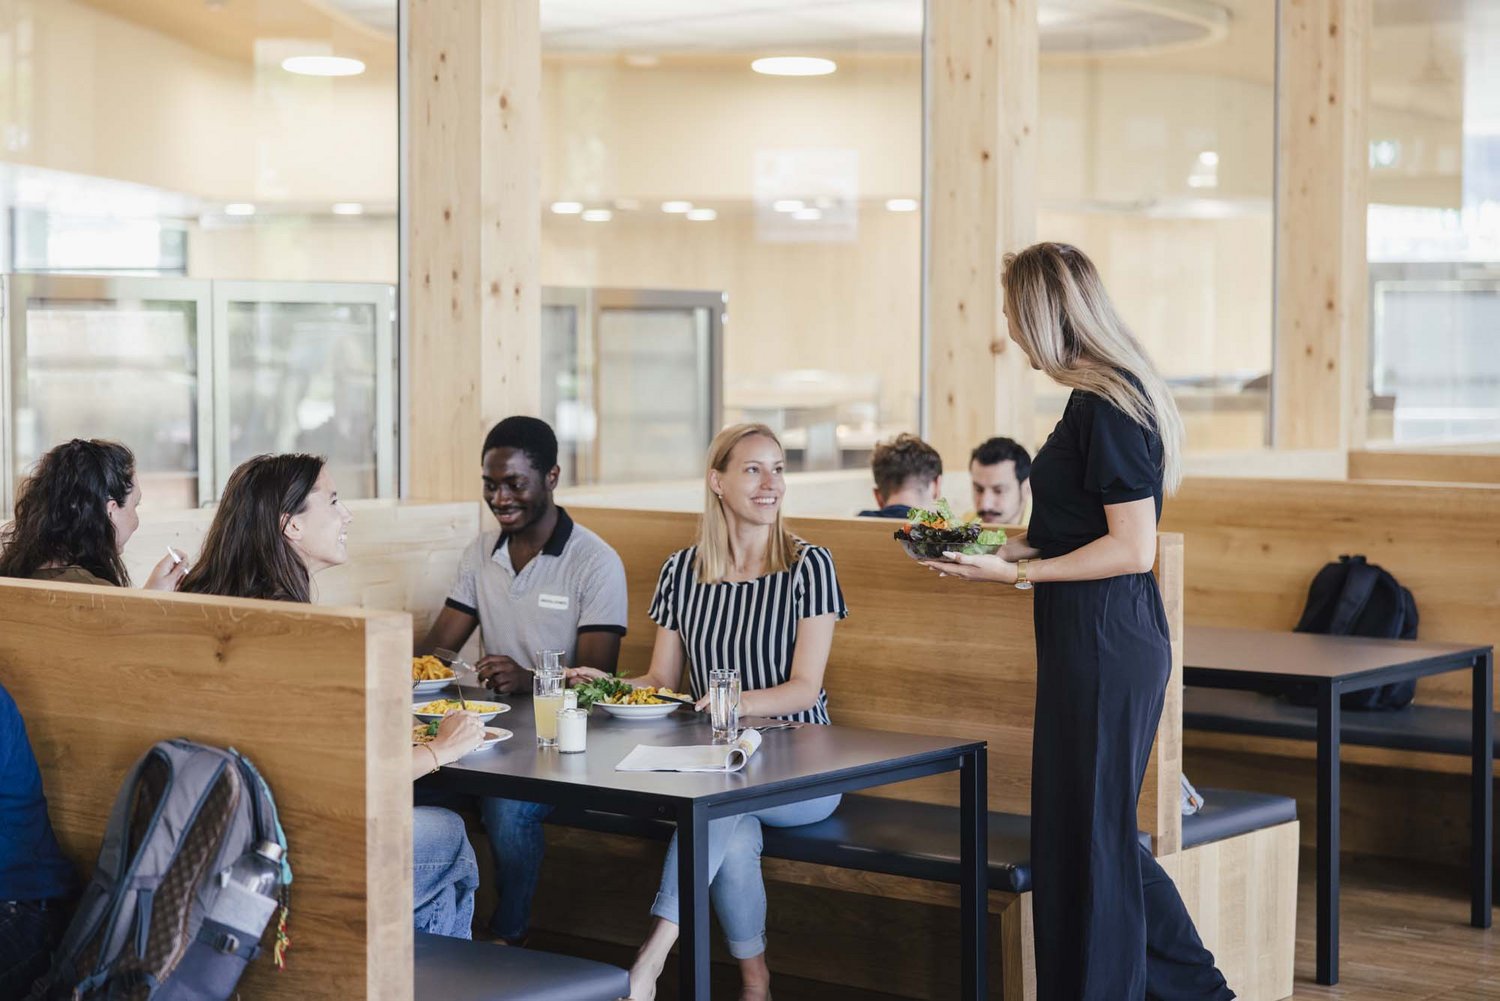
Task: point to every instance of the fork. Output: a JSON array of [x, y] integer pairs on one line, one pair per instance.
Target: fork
[[454, 662]]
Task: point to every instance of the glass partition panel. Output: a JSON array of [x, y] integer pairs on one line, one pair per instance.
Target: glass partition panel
[[1434, 227], [110, 358], [1157, 155]]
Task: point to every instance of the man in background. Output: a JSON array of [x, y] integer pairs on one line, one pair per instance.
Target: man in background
[[1000, 471], [908, 473]]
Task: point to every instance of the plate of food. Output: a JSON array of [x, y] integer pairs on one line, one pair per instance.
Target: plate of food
[[618, 697], [929, 533], [424, 733], [430, 675], [429, 712]]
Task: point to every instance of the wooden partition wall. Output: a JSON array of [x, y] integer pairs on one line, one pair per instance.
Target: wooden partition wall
[[317, 698]]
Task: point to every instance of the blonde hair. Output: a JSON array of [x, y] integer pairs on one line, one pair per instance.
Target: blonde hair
[[713, 563], [1070, 329]]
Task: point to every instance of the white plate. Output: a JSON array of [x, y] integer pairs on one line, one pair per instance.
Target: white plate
[[491, 710], [639, 712], [431, 687], [494, 735]]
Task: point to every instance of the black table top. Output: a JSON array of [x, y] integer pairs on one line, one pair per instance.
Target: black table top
[[1313, 657], [786, 759]]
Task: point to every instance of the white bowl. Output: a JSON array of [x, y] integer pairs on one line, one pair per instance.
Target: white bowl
[[486, 711], [431, 687], [639, 712]]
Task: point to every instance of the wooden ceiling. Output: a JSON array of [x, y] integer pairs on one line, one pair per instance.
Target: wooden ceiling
[[230, 28]]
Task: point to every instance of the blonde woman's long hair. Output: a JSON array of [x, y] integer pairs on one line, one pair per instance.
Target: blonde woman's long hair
[[1070, 329], [714, 563]]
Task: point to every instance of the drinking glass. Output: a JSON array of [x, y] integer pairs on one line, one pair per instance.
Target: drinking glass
[[547, 697], [724, 705]]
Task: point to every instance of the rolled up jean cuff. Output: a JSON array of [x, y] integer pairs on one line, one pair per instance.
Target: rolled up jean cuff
[[665, 907]]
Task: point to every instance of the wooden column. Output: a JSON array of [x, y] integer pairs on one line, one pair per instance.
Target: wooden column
[[1321, 290], [473, 232], [981, 75]]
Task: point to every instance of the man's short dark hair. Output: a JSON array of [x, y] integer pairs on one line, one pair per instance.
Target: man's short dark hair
[[998, 450], [902, 458], [529, 435]]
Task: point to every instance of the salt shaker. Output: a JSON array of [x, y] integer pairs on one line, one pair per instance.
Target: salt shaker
[[572, 725]]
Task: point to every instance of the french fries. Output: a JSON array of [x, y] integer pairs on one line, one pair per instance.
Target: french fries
[[429, 668]]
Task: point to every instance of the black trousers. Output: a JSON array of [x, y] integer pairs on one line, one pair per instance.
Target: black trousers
[[1109, 923], [29, 931]]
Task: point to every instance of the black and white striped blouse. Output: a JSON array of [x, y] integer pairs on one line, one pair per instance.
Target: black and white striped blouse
[[749, 625]]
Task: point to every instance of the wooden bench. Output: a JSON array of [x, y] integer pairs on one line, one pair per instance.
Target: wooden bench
[[979, 646], [1253, 547], [318, 699]]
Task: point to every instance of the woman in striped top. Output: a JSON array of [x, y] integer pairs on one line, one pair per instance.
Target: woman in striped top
[[749, 596]]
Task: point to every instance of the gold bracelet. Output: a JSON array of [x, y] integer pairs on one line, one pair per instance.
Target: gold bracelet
[[436, 764], [1022, 583]]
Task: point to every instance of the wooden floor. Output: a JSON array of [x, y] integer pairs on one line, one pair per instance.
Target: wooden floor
[[1405, 938]]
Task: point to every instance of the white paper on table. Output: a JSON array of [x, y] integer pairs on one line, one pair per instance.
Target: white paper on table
[[693, 757]]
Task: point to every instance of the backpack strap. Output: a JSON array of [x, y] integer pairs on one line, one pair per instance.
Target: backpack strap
[[1358, 586]]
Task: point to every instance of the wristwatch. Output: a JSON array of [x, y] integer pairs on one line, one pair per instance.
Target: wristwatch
[[1022, 584]]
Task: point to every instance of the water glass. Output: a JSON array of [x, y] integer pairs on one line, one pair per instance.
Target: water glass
[[724, 705], [546, 700]]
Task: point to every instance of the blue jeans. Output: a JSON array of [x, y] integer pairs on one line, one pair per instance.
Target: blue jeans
[[444, 873], [514, 827], [734, 883], [29, 931]]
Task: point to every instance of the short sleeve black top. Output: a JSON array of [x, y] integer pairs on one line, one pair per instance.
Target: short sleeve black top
[[1095, 456]]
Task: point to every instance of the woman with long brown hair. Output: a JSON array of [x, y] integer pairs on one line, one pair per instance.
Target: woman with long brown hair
[[74, 514], [1108, 921]]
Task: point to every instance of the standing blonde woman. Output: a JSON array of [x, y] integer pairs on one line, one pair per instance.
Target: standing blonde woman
[[753, 597], [1109, 923]]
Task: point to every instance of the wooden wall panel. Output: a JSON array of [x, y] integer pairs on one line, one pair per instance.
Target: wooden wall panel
[[1321, 198], [316, 698], [981, 69], [474, 233]]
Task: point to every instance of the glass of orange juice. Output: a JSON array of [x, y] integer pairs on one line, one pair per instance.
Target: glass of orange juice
[[547, 699]]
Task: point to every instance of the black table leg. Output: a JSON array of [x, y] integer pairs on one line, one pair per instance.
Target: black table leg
[[1482, 834], [1328, 834], [692, 903], [974, 841]]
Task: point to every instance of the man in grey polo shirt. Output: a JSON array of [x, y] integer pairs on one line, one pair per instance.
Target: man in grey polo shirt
[[539, 582]]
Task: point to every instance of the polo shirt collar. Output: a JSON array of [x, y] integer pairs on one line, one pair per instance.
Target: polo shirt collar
[[556, 542]]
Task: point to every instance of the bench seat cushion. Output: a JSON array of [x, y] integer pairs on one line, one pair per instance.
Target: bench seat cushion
[[454, 969], [1437, 729], [1227, 813]]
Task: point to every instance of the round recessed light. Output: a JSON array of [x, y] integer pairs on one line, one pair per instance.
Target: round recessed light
[[901, 204], [807, 215], [1208, 158], [787, 204], [702, 215], [597, 215], [677, 207], [323, 66], [567, 208], [239, 208], [794, 66], [348, 208]]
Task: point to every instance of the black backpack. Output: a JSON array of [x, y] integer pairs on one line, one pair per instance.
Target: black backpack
[[1355, 598]]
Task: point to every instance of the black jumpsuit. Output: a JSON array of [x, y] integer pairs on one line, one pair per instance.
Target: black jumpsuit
[[1109, 924]]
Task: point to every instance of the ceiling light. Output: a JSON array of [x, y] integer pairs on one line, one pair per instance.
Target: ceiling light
[[567, 208], [901, 204], [239, 208], [677, 208], [794, 66], [323, 66], [702, 215], [348, 208], [597, 215], [787, 204], [807, 215], [1208, 158]]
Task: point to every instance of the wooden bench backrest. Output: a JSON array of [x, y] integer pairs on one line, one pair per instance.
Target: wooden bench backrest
[[316, 697], [1253, 547], [1430, 467], [917, 653]]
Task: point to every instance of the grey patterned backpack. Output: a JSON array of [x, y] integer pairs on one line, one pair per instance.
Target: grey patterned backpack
[[169, 914]]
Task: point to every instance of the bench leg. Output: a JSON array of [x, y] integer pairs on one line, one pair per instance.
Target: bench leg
[[692, 903], [1328, 835], [974, 865], [1481, 784]]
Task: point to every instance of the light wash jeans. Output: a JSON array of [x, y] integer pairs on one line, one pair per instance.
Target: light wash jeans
[[735, 886], [514, 827], [444, 873]]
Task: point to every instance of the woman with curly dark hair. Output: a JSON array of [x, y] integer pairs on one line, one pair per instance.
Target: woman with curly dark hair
[[74, 514]]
